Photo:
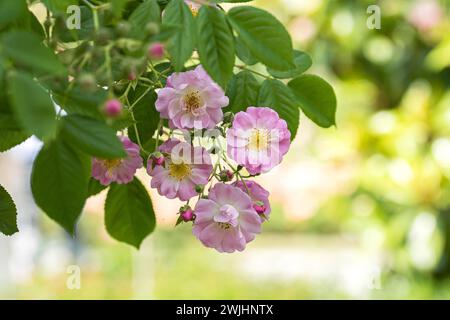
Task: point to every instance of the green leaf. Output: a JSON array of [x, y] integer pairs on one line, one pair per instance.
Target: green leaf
[[8, 213], [129, 215], [145, 114], [11, 10], [276, 95], [87, 26], [95, 187], [11, 138], [92, 137], [32, 106], [302, 63], [316, 98], [243, 53], [59, 182], [264, 36], [147, 11], [215, 44], [182, 42], [243, 91], [25, 48]]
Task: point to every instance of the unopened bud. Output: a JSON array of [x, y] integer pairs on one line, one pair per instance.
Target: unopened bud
[[226, 175], [187, 214], [152, 28], [112, 108], [158, 158], [259, 207], [199, 188], [156, 51]]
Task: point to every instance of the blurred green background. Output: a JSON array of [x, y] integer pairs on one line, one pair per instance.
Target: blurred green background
[[359, 211]]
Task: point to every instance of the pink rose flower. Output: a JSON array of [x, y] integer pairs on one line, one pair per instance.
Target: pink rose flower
[[191, 98], [226, 221], [121, 171], [184, 168], [259, 196], [258, 139]]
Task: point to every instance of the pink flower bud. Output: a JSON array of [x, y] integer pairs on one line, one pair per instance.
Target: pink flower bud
[[113, 108], [187, 214], [226, 175], [259, 207], [156, 51], [158, 158]]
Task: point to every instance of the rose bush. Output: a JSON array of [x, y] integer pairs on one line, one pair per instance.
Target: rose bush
[[174, 86]]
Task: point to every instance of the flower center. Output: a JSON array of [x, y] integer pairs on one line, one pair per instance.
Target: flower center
[[192, 100], [111, 164], [259, 139], [179, 171], [224, 225]]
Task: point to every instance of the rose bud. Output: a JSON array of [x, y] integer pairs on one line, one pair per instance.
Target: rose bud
[[156, 51], [259, 207], [112, 108], [187, 214], [158, 158], [226, 175]]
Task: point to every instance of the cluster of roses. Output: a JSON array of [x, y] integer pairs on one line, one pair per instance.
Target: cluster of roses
[[229, 213]]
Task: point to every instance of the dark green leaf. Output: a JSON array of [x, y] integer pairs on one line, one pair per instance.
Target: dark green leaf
[[32, 106], [302, 63], [11, 10], [182, 41], [215, 44], [59, 182], [8, 213], [11, 138], [316, 98], [146, 12], [276, 95], [243, 53], [92, 137], [129, 215], [26, 48], [95, 187], [243, 91], [146, 115], [264, 36]]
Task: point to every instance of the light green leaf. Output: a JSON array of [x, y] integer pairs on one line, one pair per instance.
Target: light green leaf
[[215, 44], [243, 91], [182, 42], [302, 63], [59, 182], [92, 136], [32, 106], [147, 11], [264, 36], [316, 98], [276, 95], [8, 213], [129, 215], [25, 48]]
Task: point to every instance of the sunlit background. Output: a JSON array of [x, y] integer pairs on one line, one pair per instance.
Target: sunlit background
[[359, 211]]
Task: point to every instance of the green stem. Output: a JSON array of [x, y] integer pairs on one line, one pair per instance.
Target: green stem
[[253, 71]]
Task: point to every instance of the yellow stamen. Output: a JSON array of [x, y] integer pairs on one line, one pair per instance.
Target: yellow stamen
[[179, 171], [259, 139], [192, 100], [224, 225]]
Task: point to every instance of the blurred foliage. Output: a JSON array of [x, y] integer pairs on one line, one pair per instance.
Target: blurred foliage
[[393, 88]]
